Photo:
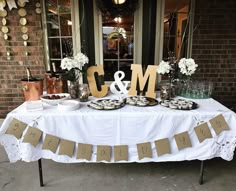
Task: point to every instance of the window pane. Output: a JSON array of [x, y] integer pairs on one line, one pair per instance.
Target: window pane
[[64, 6], [67, 47], [117, 46], [53, 25], [51, 7], [66, 25], [54, 48]]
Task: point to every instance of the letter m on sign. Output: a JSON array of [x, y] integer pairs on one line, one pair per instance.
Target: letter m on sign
[[138, 77]]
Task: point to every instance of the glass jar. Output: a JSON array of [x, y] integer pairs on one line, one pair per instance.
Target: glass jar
[[165, 91], [83, 91]]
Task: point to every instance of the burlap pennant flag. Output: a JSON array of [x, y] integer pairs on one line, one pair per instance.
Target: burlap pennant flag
[[51, 143], [16, 128], [162, 146], [144, 150], [84, 151], [219, 124], [182, 140], [203, 132], [32, 136], [121, 152]]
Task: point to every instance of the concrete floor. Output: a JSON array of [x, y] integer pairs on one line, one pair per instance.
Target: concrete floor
[[220, 175]]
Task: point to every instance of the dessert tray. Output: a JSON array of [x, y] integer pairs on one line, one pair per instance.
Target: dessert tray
[[180, 104], [141, 101], [106, 104]]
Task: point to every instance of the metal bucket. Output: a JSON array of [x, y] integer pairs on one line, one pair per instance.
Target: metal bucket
[[32, 89]]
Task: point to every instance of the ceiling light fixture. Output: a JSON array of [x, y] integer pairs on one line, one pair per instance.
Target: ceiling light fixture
[[119, 2]]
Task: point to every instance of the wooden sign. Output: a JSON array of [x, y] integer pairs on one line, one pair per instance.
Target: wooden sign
[[203, 132], [121, 152], [84, 151], [162, 146], [66, 148], [103, 153], [182, 140], [32, 136], [51, 143], [144, 150], [16, 128], [138, 78], [219, 124], [92, 81]]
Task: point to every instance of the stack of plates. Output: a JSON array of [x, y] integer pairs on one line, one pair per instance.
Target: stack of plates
[[68, 105]]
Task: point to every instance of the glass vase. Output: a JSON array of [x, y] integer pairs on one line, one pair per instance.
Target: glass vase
[[73, 88]]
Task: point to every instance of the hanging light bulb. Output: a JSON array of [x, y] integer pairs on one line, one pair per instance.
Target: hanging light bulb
[[119, 2], [118, 19]]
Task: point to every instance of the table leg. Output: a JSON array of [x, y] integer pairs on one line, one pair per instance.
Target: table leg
[[201, 173], [40, 172]]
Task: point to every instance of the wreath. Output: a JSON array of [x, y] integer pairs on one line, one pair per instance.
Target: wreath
[[110, 9]]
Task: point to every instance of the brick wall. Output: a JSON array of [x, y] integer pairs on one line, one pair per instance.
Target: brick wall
[[11, 94], [214, 47]]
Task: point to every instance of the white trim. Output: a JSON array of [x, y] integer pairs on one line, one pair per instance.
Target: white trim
[[75, 26], [138, 31], [45, 36], [159, 31], [159, 34], [98, 38], [191, 30]]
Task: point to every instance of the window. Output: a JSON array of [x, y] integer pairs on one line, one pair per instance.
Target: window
[[176, 24], [59, 30], [118, 39]]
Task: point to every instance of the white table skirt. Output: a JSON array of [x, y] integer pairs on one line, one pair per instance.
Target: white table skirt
[[129, 125]]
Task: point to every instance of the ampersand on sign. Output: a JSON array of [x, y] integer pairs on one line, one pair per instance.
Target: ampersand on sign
[[119, 87]]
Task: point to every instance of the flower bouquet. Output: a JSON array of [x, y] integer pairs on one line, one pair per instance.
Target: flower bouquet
[[74, 67], [177, 72]]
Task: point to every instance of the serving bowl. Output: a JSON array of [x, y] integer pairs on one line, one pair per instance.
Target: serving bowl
[[54, 99]]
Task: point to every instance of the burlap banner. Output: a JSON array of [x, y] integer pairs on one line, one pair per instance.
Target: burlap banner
[[121, 152]]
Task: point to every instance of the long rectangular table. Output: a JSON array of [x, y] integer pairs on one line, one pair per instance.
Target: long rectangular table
[[129, 126]]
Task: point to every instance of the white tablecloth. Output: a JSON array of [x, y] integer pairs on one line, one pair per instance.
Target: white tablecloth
[[129, 125]]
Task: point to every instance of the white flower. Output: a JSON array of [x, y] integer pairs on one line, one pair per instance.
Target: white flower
[[163, 67], [77, 61], [187, 66], [67, 63], [81, 60]]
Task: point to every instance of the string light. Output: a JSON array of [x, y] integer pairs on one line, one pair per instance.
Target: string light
[[118, 19], [119, 2]]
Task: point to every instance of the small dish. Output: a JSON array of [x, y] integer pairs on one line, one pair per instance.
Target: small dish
[[141, 101], [68, 105], [54, 99]]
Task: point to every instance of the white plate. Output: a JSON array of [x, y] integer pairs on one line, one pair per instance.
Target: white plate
[[45, 98], [68, 105]]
